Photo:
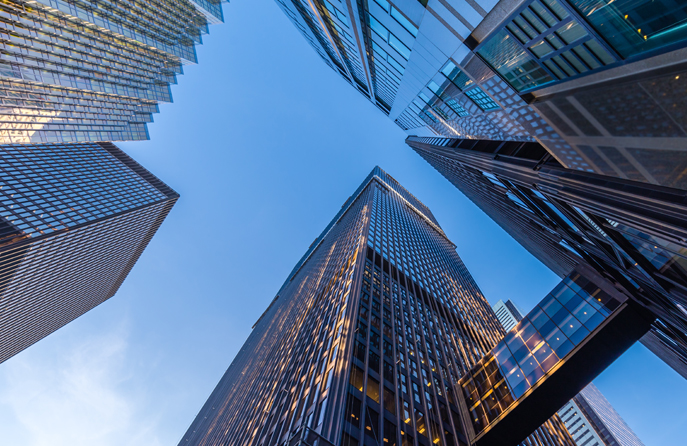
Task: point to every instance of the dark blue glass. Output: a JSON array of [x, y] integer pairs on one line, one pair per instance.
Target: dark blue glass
[[528, 364], [547, 328], [520, 389], [569, 325], [552, 306], [573, 303], [563, 349], [521, 353], [556, 338], [594, 321], [579, 335], [560, 316], [535, 375], [584, 311]]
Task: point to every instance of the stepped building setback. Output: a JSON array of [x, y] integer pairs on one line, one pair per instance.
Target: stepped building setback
[[77, 71]]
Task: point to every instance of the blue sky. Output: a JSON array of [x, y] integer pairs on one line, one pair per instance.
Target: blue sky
[[264, 143]]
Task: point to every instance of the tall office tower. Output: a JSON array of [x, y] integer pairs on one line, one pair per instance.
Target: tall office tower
[[601, 84], [507, 314], [632, 232], [589, 417], [74, 218], [592, 421], [93, 70], [365, 342]]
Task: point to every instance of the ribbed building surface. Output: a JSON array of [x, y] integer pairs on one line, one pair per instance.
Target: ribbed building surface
[[74, 218], [592, 421], [507, 314], [366, 340], [77, 71]]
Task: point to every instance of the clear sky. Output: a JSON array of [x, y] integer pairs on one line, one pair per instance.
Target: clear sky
[[264, 142]]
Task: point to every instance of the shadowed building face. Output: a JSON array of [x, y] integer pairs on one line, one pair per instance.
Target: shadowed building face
[[74, 218]]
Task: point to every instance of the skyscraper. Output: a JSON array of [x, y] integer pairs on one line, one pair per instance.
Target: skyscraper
[[93, 70], [507, 314], [74, 218], [589, 417], [600, 84], [365, 342], [630, 231], [592, 421]]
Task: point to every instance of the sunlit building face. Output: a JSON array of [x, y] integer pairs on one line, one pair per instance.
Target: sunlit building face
[[93, 71], [365, 342]]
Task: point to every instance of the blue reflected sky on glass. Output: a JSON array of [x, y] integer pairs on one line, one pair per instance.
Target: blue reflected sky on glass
[[560, 322], [264, 142]]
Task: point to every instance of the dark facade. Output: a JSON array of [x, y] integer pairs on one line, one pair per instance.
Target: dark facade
[[631, 232], [74, 218], [93, 70], [365, 342]]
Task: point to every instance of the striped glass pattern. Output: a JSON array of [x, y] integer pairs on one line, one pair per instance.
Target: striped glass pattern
[[76, 71]]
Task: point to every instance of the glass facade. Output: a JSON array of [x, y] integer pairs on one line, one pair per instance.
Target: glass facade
[[585, 430], [365, 342], [625, 230], [599, 83], [74, 218], [635, 26], [561, 321], [93, 71], [542, 44]]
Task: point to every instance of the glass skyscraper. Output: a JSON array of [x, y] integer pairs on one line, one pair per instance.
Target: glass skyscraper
[[93, 70], [599, 83], [74, 219], [630, 232], [365, 342]]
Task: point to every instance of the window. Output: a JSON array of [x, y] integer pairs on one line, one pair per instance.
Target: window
[[455, 75], [373, 389], [511, 61], [389, 433], [357, 377], [372, 425], [407, 24], [353, 409], [482, 100], [389, 401], [635, 26], [388, 37]]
